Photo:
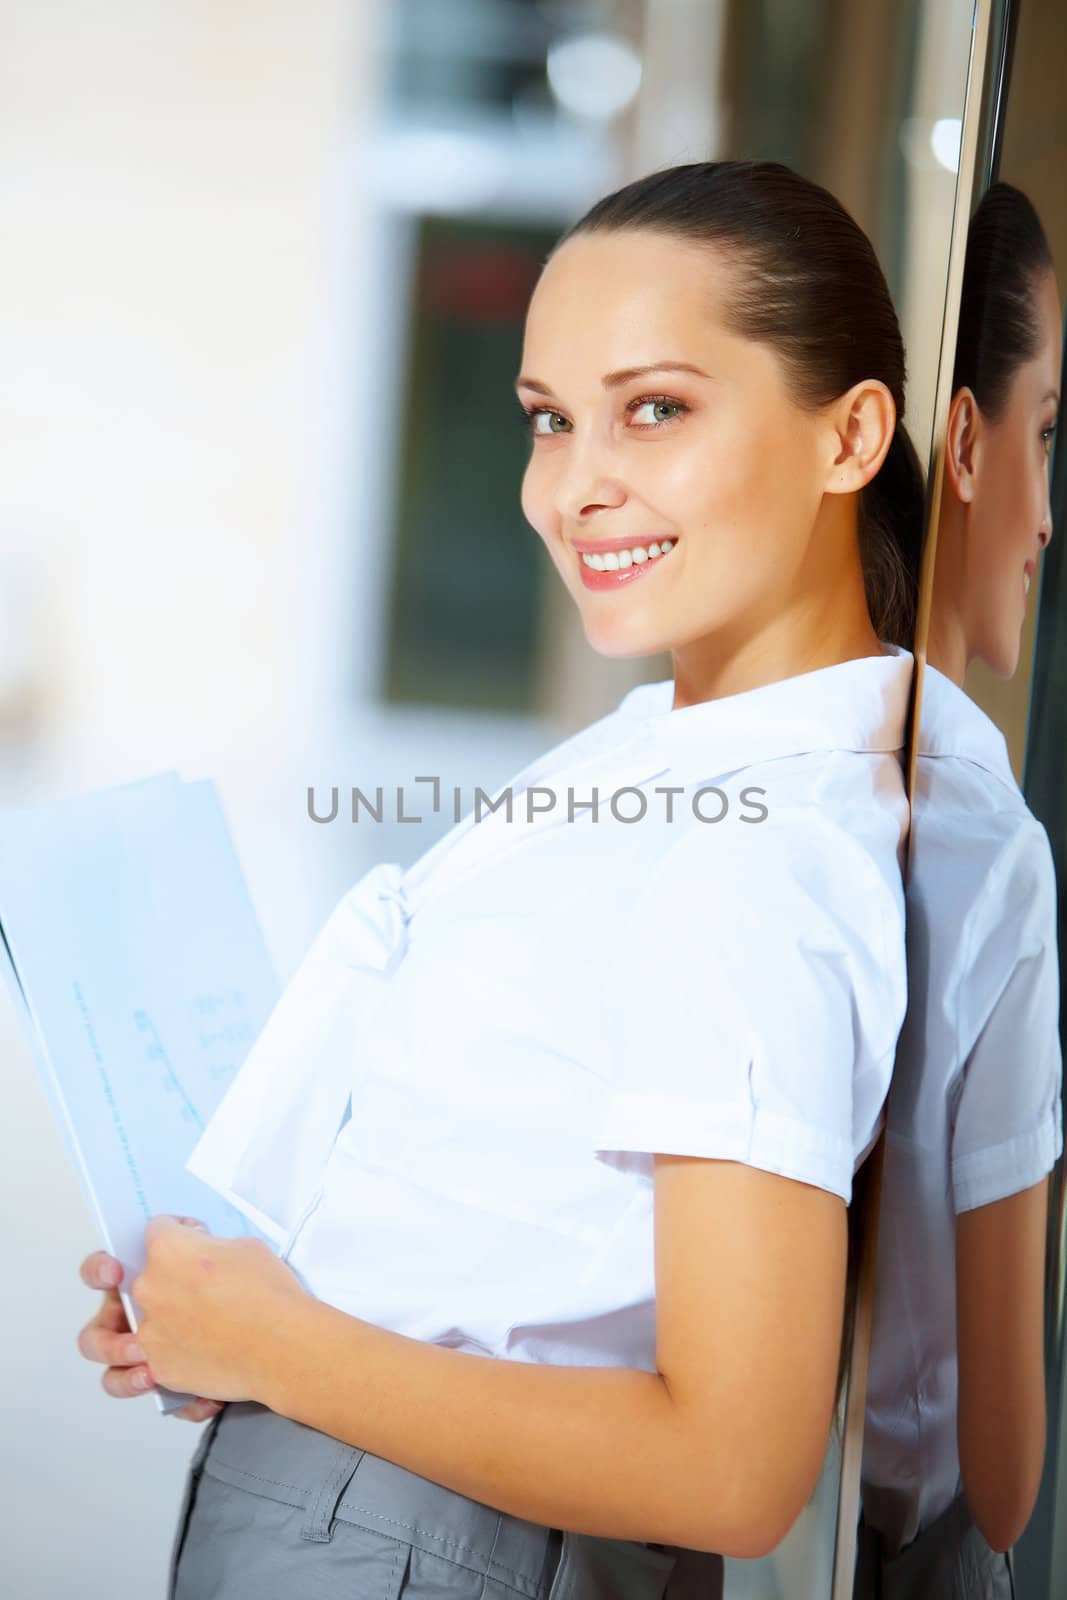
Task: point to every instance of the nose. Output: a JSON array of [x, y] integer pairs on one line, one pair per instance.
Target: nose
[[587, 487], [581, 502], [1044, 533], [609, 500]]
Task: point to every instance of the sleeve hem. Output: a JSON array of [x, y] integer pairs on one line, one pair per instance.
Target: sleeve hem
[[982, 1176], [726, 1132], [268, 1226]]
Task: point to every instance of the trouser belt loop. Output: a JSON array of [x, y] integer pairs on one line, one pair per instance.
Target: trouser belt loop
[[318, 1522]]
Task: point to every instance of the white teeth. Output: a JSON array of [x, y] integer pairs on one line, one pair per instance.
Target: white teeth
[[618, 561], [1026, 583]]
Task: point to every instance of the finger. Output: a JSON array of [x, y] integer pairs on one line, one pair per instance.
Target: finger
[[125, 1383], [199, 1410], [101, 1271], [114, 1347], [111, 1315]]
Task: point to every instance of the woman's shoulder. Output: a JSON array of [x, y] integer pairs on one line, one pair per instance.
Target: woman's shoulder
[[799, 916], [816, 813], [803, 872]]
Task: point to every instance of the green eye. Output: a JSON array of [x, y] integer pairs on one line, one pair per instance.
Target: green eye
[[554, 423], [540, 420], [661, 411]]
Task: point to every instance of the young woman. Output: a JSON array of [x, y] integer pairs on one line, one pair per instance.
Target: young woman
[[557, 1309], [955, 1435]]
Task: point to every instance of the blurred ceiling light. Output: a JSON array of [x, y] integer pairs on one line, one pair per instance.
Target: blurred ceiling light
[[931, 146], [593, 75], [945, 136]]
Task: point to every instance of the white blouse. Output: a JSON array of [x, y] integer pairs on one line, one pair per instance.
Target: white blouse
[[975, 1113], [519, 1021]]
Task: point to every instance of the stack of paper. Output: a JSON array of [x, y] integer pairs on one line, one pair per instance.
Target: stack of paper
[[141, 977]]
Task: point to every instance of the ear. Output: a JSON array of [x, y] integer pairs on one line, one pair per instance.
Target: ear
[[961, 444], [860, 431]]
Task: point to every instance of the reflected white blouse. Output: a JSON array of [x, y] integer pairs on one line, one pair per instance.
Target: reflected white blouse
[[518, 1022], [975, 1114]]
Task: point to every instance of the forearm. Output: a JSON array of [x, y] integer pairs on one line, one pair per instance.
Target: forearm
[[1000, 1466], [1000, 1263], [599, 1450]]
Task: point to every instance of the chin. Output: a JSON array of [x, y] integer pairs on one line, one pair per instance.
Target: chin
[[1003, 663], [619, 643]]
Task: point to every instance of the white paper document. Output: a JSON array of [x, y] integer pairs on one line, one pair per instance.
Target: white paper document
[[141, 978]]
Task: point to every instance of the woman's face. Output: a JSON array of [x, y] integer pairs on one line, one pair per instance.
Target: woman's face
[[1011, 515], [666, 443]]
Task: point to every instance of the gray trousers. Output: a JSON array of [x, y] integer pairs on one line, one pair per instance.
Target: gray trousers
[[949, 1560], [276, 1511]]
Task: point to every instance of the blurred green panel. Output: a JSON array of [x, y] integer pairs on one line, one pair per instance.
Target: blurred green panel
[[467, 566]]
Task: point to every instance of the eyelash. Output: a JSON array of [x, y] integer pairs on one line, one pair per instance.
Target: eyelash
[[527, 414], [1047, 433]]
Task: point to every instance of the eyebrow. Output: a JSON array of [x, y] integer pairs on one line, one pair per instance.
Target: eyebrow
[[1053, 394], [614, 380]]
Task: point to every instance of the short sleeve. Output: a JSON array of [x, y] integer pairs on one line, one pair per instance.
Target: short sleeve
[[762, 991], [1008, 1127]]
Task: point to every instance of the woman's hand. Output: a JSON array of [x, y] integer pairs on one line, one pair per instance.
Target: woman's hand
[[107, 1338], [209, 1308]]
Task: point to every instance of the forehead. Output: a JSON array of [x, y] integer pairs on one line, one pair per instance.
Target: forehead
[[1034, 378], [612, 300], [1053, 317]]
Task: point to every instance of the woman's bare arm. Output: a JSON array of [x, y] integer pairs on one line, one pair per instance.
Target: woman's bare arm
[[718, 1450], [1000, 1281]]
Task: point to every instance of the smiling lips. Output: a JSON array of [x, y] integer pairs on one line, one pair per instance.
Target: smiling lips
[[607, 566]]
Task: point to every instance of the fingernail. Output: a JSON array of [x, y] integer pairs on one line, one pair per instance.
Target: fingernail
[[111, 1275], [142, 1380], [132, 1354]]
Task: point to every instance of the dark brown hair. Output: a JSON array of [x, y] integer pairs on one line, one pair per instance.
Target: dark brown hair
[[1000, 328], [808, 285]]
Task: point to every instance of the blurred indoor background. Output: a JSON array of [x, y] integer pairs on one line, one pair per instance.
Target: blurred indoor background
[[264, 269]]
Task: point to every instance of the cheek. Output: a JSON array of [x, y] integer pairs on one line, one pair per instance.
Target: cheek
[[1013, 497], [726, 483], [536, 498]]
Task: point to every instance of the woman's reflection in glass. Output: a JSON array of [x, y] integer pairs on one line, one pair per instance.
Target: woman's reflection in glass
[[955, 1433]]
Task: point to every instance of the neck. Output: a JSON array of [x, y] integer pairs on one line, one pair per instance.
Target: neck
[[823, 626], [947, 645], [712, 669]]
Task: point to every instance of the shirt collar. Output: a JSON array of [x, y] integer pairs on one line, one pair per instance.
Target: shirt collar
[[952, 724], [856, 705]]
